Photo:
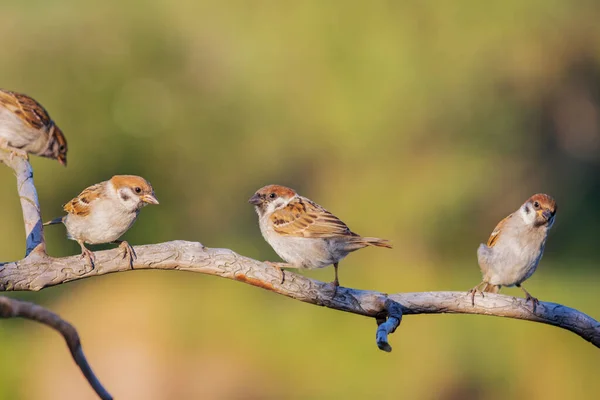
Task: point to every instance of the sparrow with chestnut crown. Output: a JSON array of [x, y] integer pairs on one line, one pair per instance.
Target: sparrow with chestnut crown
[[516, 246], [303, 233], [26, 127], [102, 213]]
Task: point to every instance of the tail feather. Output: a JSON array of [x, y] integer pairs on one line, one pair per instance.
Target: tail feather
[[370, 241], [55, 221]]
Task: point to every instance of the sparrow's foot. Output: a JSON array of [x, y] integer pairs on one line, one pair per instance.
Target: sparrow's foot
[[13, 150], [18, 152], [279, 268], [336, 281], [128, 251], [473, 292], [534, 301], [528, 297], [335, 285], [89, 256]]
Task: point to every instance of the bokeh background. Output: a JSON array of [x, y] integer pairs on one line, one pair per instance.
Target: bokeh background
[[421, 122]]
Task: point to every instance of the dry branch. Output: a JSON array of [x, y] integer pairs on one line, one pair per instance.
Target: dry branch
[[12, 308], [38, 271], [34, 234]]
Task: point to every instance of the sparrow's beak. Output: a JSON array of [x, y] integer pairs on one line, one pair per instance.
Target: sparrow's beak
[[547, 215], [150, 199], [256, 200], [62, 160]]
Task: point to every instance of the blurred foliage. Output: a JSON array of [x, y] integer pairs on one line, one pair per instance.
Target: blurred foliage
[[421, 122]]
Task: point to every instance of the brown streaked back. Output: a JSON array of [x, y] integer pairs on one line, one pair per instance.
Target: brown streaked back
[[81, 205], [30, 111], [304, 218]]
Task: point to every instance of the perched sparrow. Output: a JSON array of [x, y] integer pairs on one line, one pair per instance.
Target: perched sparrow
[[516, 246], [303, 233], [105, 211], [26, 127]]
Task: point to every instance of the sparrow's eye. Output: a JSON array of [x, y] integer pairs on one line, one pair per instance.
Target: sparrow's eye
[[62, 148], [138, 190], [272, 195], [536, 204]]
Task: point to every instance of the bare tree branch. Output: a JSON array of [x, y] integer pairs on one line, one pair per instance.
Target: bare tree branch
[[12, 308], [37, 273], [32, 216]]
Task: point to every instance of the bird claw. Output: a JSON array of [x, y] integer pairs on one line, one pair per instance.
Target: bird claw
[[13, 150], [528, 297], [534, 301], [128, 252], [18, 152], [90, 256], [473, 292], [336, 285]]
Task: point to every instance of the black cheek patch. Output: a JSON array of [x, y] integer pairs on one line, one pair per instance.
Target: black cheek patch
[[124, 197], [526, 210]]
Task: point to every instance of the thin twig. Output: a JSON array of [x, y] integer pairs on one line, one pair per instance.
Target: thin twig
[[12, 308]]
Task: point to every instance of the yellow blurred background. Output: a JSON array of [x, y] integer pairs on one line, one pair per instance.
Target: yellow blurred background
[[420, 122]]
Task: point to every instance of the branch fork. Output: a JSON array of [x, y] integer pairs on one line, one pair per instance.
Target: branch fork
[[35, 252]]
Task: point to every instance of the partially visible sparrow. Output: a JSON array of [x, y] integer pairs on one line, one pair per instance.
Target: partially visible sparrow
[[103, 212], [303, 233], [516, 246], [26, 127]]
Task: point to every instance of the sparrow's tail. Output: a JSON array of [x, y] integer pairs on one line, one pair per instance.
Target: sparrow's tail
[[55, 221], [489, 288], [369, 241]]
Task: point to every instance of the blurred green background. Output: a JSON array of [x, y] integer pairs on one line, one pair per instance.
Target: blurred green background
[[421, 122]]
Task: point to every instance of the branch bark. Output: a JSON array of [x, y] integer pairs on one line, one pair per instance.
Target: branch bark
[[37, 273], [32, 217]]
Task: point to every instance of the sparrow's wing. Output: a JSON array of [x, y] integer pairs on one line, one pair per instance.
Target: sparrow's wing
[[497, 231], [303, 218], [81, 205], [27, 109]]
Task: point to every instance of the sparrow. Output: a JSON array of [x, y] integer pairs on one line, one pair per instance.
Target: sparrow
[[303, 233], [516, 246], [102, 213], [26, 127]]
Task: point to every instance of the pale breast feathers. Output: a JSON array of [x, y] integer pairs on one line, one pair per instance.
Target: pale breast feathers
[[26, 108], [497, 231], [81, 205], [303, 218]]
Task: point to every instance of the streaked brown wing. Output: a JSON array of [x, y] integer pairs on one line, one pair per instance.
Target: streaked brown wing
[[26, 108], [303, 218], [80, 205], [496, 232]]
